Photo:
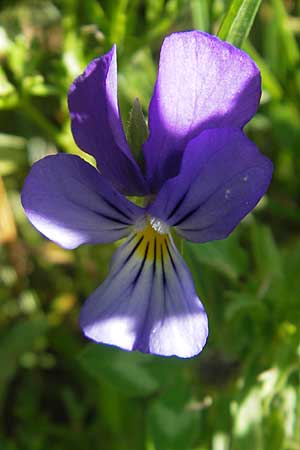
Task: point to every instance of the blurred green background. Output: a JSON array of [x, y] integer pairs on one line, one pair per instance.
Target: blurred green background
[[57, 390]]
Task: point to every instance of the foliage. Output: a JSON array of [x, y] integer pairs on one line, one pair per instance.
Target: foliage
[[58, 391]]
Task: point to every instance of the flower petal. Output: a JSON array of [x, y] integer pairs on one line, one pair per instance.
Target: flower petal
[[148, 301], [68, 201], [222, 177], [202, 83], [97, 127]]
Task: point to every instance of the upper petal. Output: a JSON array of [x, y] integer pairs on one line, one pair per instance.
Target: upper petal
[[222, 177], [202, 83], [97, 127], [68, 201], [148, 301]]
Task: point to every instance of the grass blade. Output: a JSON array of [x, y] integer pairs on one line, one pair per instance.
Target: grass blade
[[238, 21]]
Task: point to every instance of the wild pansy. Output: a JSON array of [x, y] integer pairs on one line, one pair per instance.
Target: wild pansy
[[202, 176]]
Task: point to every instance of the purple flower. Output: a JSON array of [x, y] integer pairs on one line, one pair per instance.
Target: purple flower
[[203, 175]]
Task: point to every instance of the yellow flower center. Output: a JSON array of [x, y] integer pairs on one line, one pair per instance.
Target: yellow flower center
[[153, 240]]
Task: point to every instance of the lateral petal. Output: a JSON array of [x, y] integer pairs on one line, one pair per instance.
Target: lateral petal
[[202, 83], [69, 202], [97, 126], [222, 177], [148, 301]]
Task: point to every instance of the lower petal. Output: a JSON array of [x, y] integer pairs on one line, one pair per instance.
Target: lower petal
[[148, 301]]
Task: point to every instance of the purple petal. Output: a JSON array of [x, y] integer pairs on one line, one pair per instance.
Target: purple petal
[[222, 177], [69, 202], [97, 127], [202, 83], [148, 301]]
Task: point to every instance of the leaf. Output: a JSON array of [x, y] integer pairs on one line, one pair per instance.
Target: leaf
[[172, 424], [137, 77], [200, 14], [18, 340], [286, 34], [238, 21], [283, 57], [118, 21], [35, 85], [246, 304], [266, 253], [154, 10], [8, 94], [137, 130], [269, 82], [285, 119], [133, 373], [247, 418], [225, 256]]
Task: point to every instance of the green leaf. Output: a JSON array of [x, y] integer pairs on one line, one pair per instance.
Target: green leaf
[[35, 85], [287, 37], [5, 42], [285, 55], [18, 340], [226, 257], [285, 119], [269, 81], [266, 253], [200, 14], [154, 10], [8, 93], [247, 420], [18, 56], [238, 21], [173, 424], [137, 130], [133, 373], [137, 78], [245, 303], [118, 21]]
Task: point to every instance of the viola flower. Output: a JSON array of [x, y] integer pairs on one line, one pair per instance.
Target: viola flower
[[203, 175]]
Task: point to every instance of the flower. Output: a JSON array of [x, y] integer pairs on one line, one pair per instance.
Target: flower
[[203, 175]]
